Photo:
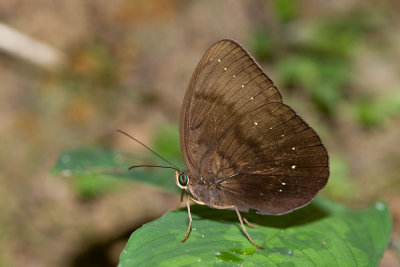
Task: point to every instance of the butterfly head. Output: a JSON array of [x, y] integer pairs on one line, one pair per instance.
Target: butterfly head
[[182, 179], [187, 181]]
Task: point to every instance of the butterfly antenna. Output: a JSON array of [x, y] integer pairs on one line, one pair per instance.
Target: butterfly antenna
[[153, 166], [155, 153]]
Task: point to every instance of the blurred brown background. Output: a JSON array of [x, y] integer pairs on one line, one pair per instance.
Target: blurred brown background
[[125, 64]]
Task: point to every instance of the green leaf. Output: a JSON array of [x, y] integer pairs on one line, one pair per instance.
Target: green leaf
[[322, 234], [90, 165]]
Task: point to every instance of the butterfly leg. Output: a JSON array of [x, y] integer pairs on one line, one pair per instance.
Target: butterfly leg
[[197, 201], [190, 220], [244, 229], [249, 224]]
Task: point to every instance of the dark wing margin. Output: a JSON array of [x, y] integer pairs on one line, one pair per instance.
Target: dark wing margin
[[226, 83]]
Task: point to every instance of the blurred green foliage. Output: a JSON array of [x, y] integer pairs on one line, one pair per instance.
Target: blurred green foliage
[[316, 58], [323, 79], [286, 10], [340, 184], [339, 36], [166, 143], [89, 186], [374, 112], [263, 45], [90, 169]]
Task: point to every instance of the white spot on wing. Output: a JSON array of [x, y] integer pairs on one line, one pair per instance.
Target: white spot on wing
[[293, 148], [255, 123], [219, 60], [283, 183], [280, 190], [242, 85], [225, 68], [234, 76], [251, 98], [294, 167]]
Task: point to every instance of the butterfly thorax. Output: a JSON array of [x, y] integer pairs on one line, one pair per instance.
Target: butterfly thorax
[[205, 192]]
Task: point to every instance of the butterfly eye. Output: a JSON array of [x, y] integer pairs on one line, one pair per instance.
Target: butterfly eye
[[183, 179]]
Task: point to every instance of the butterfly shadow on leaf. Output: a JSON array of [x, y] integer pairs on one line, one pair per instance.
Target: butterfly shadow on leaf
[[307, 215]]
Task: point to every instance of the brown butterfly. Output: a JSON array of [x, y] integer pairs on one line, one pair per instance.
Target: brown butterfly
[[245, 149]]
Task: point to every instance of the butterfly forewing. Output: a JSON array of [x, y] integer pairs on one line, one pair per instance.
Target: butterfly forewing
[[226, 83], [251, 150]]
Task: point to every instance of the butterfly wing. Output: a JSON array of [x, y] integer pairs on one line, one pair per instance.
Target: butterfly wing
[[248, 148], [218, 94]]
